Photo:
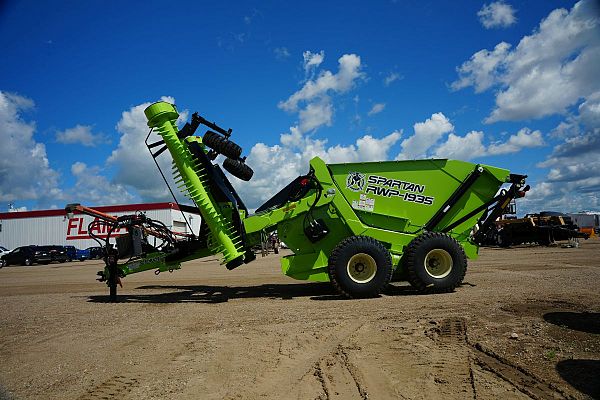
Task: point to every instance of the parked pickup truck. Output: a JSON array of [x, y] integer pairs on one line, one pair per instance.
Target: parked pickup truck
[[73, 253]]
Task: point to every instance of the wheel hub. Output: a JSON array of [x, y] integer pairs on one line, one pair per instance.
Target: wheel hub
[[361, 268], [438, 263]]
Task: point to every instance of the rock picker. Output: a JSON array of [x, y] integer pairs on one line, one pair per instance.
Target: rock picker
[[356, 225]]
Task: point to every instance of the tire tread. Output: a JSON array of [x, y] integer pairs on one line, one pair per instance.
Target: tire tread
[[337, 253], [410, 255], [222, 145]]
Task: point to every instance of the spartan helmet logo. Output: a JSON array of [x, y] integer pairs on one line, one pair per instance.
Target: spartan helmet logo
[[355, 181]]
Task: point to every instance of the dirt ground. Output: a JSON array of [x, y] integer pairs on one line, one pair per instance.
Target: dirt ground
[[525, 324]]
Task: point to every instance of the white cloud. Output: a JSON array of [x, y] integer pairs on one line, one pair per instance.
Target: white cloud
[[315, 115], [462, 147], [80, 134], [547, 72], [572, 182], [312, 60], [523, 139], [25, 172], [316, 94], [497, 15], [587, 117], [427, 141], [281, 53], [348, 72], [373, 149], [134, 165], [376, 109], [481, 70], [91, 187], [472, 145], [426, 136], [589, 112], [392, 77]]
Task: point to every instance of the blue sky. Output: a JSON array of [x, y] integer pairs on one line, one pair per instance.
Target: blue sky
[[511, 84]]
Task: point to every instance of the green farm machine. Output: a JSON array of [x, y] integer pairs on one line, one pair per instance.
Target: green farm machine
[[356, 225]]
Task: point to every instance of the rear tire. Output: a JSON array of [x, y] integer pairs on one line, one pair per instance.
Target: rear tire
[[222, 145], [360, 267], [503, 239], [27, 262], [435, 262], [238, 168]]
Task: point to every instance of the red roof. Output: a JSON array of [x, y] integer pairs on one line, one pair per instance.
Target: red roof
[[106, 209]]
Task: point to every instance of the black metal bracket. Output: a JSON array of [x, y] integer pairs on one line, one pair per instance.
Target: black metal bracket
[[197, 119], [516, 190], [452, 200]]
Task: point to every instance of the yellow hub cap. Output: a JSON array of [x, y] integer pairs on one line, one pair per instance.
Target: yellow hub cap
[[361, 268], [438, 263]]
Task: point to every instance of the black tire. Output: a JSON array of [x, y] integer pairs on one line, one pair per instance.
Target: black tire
[[503, 239], [222, 145], [364, 252], [113, 281], [27, 262], [435, 262], [238, 168]]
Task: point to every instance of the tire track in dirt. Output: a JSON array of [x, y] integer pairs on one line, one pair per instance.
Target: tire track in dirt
[[516, 376], [456, 371], [339, 377], [322, 363], [113, 388], [452, 369]]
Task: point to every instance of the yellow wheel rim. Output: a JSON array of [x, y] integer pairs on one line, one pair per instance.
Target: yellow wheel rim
[[438, 263], [361, 268]]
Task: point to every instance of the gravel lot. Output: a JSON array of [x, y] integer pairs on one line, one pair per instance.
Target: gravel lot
[[526, 324]]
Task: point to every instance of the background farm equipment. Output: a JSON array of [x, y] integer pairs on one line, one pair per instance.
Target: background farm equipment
[[543, 229], [356, 225]]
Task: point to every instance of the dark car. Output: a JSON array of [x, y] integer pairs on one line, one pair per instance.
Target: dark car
[[57, 253], [95, 252], [26, 255], [73, 253]]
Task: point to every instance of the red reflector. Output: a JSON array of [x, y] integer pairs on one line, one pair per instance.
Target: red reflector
[[304, 182]]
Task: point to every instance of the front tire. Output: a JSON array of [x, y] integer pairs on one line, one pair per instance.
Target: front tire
[[360, 267], [435, 262]]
